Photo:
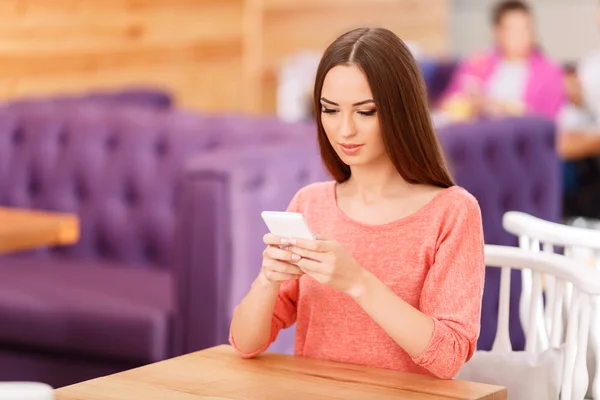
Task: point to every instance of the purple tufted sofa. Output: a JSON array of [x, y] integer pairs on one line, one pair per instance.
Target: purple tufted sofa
[[121, 297], [508, 165]]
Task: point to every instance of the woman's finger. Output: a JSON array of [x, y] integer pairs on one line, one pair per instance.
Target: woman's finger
[[282, 267], [272, 240], [310, 266], [321, 246], [276, 253], [305, 253], [275, 276]]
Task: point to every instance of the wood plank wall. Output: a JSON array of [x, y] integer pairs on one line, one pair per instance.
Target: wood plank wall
[[212, 54]]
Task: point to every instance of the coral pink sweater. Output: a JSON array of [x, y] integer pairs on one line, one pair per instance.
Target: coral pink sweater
[[433, 259]]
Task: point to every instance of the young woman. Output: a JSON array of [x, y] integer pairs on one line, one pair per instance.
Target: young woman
[[395, 278], [515, 77]]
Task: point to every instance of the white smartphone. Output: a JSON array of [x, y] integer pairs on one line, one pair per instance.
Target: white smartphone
[[287, 224]]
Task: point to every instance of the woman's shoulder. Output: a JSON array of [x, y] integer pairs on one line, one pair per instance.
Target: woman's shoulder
[[457, 202], [313, 192], [454, 213], [316, 189], [457, 195]]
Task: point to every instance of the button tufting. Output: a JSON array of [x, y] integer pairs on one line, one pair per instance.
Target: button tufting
[[537, 195], [150, 251], [131, 195], [160, 147], [457, 154], [303, 177], [102, 245], [34, 185], [254, 182], [112, 142], [523, 148], [491, 151], [63, 138], [18, 136], [81, 190], [507, 202]]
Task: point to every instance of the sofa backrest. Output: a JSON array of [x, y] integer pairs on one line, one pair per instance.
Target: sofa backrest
[[142, 96], [117, 167]]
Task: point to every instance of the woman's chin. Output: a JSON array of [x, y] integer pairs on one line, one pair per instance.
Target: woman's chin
[[350, 160]]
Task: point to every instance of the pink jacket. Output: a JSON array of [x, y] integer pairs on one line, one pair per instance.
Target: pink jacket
[[544, 93]]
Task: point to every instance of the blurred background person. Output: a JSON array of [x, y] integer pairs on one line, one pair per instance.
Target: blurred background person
[[514, 78], [578, 140]]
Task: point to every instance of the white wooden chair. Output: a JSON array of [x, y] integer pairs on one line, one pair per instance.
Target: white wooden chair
[[568, 359], [578, 243], [25, 391]]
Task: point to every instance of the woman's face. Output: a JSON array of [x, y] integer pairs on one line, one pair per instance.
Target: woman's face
[[349, 116], [514, 34]]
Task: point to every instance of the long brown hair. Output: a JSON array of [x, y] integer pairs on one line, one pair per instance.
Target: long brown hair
[[401, 100]]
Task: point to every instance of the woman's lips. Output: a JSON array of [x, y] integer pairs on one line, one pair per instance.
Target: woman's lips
[[350, 149]]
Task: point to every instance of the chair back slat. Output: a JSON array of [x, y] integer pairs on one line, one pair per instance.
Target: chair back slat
[[570, 350], [556, 333], [535, 312], [502, 339], [580, 373], [549, 282]]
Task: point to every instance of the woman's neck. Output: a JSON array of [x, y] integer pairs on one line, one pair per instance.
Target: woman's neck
[[373, 182]]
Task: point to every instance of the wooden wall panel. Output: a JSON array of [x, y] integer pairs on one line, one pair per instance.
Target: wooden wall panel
[[213, 54], [193, 47]]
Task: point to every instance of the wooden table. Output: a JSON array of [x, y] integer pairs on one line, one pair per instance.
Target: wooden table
[[219, 374], [28, 229]]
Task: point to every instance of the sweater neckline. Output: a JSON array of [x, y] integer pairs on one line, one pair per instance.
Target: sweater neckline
[[388, 225]]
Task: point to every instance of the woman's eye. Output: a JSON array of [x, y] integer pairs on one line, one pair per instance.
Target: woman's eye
[[367, 113], [328, 110]]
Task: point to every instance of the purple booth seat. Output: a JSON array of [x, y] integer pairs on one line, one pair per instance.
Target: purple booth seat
[[113, 300], [508, 165], [135, 96]]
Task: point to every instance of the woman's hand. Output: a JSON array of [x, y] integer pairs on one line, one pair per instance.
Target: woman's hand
[[328, 263], [277, 262]]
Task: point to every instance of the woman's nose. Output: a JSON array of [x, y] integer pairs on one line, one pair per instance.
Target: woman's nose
[[347, 127]]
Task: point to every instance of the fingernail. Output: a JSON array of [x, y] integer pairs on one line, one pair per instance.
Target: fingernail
[[284, 241], [292, 241], [295, 257]]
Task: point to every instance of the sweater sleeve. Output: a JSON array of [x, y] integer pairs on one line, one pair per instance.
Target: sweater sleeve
[[284, 311], [453, 290]]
